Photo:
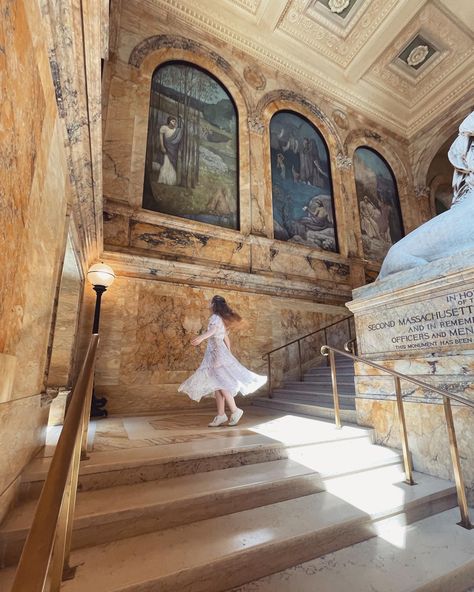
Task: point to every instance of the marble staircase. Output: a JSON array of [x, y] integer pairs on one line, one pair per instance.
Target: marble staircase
[[221, 508], [313, 396]]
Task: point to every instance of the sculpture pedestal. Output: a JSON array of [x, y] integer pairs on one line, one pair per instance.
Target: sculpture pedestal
[[421, 323]]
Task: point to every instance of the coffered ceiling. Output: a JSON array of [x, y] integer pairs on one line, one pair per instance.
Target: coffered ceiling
[[402, 61]]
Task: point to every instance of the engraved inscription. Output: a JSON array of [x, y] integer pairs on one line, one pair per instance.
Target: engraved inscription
[[439, 323]]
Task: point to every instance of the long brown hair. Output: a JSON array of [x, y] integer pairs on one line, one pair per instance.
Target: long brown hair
[[221, 308]]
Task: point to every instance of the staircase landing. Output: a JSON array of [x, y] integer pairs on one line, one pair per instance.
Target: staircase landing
[[167, 504]]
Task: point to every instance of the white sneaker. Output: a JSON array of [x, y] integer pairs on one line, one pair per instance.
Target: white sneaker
[[235, 417], [218, 420]]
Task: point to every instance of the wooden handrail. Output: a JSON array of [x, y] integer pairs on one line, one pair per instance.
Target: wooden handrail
[[45, 549], [327, 350]]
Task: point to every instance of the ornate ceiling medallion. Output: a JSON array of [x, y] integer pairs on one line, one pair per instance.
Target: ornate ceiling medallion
[[417, 55], [338, 6], [417, 52]]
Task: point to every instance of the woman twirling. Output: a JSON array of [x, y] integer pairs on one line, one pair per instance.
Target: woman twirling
[[220, 373]]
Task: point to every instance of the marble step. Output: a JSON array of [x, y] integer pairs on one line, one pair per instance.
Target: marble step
[[308, 398], [223, 450], [119, 512], [326, 372], [326, 381], [321, 384], [109, 514], [315, 389], [323, 411], [400, 559], [220, 553]]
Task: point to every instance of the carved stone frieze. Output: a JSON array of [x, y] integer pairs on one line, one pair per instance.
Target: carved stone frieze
[[156, 42], [340, 118], [256, 124], [343, 162], [255, 78], [422, 191]]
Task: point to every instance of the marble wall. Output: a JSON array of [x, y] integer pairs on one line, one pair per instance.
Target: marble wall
[[66, 321], [147, 326], [142, 44], [46, 187], [34, 193], [168, 267]]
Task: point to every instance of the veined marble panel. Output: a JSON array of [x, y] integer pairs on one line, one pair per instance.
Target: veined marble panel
[[147, 326], [7, 372], [22, 433], [189, 245]]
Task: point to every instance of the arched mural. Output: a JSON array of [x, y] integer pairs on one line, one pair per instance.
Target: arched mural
[[191, 166], [379, 206], [303, 208]]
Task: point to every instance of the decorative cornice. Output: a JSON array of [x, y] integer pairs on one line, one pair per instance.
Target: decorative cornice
[[342, 51], [298, 69], [292, 69], [151, 44], [195, 274]]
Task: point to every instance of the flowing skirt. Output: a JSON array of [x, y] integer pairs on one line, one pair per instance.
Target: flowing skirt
[[220, 370]]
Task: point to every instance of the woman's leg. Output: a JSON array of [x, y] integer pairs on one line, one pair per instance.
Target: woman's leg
[[220, 403], [229, 399]]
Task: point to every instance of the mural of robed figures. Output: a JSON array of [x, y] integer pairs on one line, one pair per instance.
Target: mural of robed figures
[[301, 183], [379, 206], [191, 167]]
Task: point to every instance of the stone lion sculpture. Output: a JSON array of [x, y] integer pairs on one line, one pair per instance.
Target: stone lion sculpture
[[451, 232]]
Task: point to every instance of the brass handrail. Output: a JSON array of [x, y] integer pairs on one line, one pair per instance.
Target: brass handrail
[[309, 335], [327, 350], [45, 555], [298, 341]]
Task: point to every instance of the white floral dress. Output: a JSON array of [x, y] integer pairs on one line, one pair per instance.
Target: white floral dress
[[220, 369]]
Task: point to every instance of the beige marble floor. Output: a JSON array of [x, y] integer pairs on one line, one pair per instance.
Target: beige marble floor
[[116, 432]]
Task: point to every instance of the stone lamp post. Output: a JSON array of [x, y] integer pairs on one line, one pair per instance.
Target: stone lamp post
[[101, 276]]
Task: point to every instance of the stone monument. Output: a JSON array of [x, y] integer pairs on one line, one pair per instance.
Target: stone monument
[[418, 318], [450, 232]]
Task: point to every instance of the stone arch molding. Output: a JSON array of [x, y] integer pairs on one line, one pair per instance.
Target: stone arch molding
[[151, 50], [287, 100], [401, 170], [370, 139], [433, 141], [281, 100], [155, 51]]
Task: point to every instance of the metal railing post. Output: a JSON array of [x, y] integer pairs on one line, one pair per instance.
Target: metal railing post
[[403, 433], [299, 359], [453, 446], [462, 500], [335, 394], [269, 383], [328, 359]]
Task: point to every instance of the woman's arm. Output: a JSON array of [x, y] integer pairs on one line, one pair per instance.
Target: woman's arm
[[203, 336], [227, 341]]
